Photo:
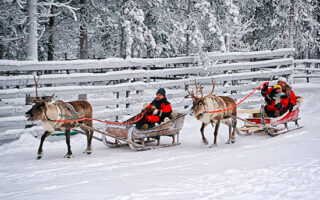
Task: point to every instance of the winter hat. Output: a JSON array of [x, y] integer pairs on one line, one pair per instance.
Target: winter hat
[[161, 91], [283, 79]]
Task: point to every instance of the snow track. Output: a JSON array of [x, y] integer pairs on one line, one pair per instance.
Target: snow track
[[255, 167]]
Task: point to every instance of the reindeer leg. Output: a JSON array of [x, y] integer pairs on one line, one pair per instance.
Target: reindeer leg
[[215, 134], [69, 153], [43, 137], [89, 137], [204, 140], [229, 125], [234, 125]]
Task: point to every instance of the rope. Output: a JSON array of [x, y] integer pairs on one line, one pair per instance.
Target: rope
[[103, 121], [217, 111]]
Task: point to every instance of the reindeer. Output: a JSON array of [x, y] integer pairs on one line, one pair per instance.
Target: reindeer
[[212, 102], [59, 110]]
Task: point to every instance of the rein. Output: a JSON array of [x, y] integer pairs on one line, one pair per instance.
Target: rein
[[235, 105], [102, 121]]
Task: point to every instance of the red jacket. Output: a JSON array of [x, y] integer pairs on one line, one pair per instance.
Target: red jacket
[[164, 110], [289, 97]]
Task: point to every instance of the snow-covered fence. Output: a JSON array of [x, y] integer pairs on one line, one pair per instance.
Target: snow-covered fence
[[307, 68], [117, 87]]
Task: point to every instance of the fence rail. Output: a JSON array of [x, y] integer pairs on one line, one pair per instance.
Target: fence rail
[[306, 68]]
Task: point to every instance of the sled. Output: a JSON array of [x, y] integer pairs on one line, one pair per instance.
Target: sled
[[258, 122], [138, 139]]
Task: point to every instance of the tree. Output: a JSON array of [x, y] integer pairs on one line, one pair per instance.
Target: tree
[[138, 37], [32, 38]]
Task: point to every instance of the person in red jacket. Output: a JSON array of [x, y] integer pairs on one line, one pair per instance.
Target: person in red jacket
[[279, 98], [162, 109]]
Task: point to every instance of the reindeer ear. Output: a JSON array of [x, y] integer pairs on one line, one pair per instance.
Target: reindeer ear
[[48, 99]]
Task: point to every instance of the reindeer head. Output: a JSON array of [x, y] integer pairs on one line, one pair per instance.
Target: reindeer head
[[198, 107], [40, 106]]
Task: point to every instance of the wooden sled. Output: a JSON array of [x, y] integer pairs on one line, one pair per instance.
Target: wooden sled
[[258, 122], [139, 139]]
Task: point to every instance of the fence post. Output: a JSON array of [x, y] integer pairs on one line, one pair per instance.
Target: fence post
[[127, 96], [82, 97], [308, 72], [117, 106], [148, 78]]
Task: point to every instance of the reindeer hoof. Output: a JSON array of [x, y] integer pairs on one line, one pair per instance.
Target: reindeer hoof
[[68, 156], [88, 151], [205, 141], [228, 142], [39, 156], [213, 145], [233, 141]]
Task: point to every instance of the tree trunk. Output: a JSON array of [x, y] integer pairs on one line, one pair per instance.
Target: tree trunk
[[83, 32], [51, 35], [122, 35], [188, 36], [32, 40], [1, 50], [291, 24]]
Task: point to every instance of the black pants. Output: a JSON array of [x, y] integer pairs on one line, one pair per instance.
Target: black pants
[[273, 113], [142, 121]]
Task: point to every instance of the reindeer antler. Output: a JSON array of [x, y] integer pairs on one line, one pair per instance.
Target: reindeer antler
[[37, 99], [36, 83], [213, 87], [190, 93], [196, 84], [33, 99]]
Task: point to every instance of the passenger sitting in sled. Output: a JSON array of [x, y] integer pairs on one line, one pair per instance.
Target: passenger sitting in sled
[[279, 98], [156, 111]]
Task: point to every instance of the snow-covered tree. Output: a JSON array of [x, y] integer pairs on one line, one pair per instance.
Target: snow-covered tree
[[138, 37]]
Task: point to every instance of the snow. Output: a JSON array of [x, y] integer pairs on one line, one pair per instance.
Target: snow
[[255, 167]]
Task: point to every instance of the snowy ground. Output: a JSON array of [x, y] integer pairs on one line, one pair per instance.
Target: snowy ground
[[255, 167]]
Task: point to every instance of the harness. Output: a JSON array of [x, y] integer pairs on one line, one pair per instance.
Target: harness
[[215, 99], [59, 113], [66, 106]]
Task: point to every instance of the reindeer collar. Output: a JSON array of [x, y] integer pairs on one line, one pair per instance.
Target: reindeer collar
[[59, 114]]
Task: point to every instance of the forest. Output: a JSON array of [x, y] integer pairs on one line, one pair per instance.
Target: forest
[[97, 29]]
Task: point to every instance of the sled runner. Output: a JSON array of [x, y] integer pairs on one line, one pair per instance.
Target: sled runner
[[259, 122], [139, 139]]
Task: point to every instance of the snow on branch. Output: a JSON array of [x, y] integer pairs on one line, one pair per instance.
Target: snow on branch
[[61, 5]]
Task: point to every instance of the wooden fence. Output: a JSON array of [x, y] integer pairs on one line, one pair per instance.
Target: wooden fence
[[117, 88], [306, 68]]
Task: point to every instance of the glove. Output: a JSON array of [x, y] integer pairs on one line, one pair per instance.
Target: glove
[[264, 88], [278, 106], [272, 93], [290, 107], [268, 100], [155, 112]]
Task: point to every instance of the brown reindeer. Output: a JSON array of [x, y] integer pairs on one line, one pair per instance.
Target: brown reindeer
[[59, 110], [211, 102]]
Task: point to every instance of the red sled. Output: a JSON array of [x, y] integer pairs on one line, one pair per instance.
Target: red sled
[[259, 122]]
